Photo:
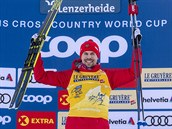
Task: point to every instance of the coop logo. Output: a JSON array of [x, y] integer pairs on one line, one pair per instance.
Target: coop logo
[[122, 122], [158, 77], [121, 99], [74, 46], [38, 98], [41, 120], [5, 120]]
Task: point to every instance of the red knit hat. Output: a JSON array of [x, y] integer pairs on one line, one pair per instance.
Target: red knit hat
[[90, 45]]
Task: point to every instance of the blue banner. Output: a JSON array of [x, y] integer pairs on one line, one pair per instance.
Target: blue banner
[[107, 23]]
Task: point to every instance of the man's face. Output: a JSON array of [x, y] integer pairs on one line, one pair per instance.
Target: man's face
[[89, 58]]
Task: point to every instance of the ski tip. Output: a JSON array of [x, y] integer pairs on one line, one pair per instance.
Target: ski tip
[[9, 108], [12, 106], [15, 108]]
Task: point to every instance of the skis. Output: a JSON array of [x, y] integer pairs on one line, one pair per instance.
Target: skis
[[136, 37], [33, 53]]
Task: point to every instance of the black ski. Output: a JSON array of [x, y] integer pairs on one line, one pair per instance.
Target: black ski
[[33, 53]]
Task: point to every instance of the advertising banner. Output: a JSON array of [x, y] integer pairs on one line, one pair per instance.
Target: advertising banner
[[106, 22]]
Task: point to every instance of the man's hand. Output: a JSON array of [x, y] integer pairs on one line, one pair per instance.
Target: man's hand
[[137, 38]]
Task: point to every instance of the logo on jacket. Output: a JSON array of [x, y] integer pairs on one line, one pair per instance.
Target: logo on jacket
[[76, 92]]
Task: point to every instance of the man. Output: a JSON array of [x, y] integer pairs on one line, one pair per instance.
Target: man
[[88, 86]]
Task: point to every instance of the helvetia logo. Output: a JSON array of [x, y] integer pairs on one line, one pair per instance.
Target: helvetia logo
[[131, 121], [156, 100], [171, 99], [7, 78], [122, 121]]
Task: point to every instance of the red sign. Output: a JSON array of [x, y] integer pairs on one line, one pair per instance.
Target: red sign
[[36, 120], [62, 100]]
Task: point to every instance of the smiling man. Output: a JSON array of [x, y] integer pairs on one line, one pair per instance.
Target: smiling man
[[89, 55], [88, 86]]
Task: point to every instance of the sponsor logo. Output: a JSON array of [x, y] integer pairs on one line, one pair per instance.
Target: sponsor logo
[[156, 100], [113, 120], [122, 99], [23, 120], [116, 122], [89, 6], [5, 120], [74, 46], [62, 117], [77, 78], [5, 97], [158, 120], [157, 77], [131, 121], [63, 120], [7, 77], [38, 120], [62, 100], [38, 99], [122, 121]]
